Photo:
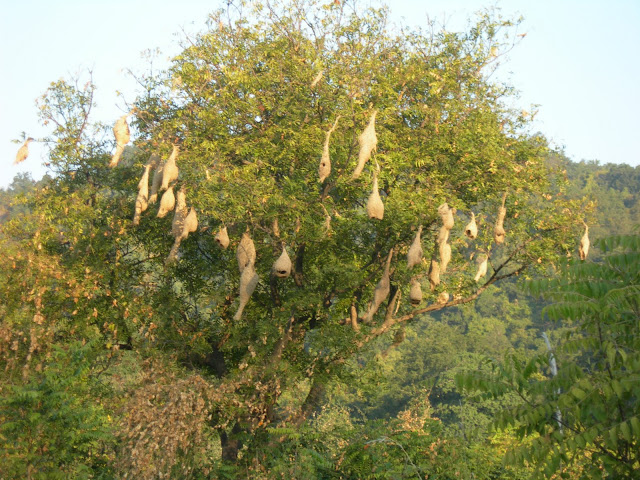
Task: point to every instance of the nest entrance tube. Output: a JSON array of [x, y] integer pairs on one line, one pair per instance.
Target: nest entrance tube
[[368, 141], [414, 256], [583, 249], [248, 282], [282, 266]]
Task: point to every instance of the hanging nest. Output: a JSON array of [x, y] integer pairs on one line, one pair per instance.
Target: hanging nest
[[157, 181], [122, 135], [414, 256], [471, 230], [248, 282], [375, 207], [368, 142], [275, 229], [445, 256], [415, 293], [443, 298], [179, 214], [222, 237], [446, 214], [23, 151], [142, 200], [282, 266], [317, 79], [583, 249], [170, 169], [324, 170], [483, 262], [246, 252], [443, 235], [499, 231], [434, 274], [381, 291], [190, 224], [167, 202]]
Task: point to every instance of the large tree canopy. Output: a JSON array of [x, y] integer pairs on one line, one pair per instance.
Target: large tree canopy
[[251, 107]]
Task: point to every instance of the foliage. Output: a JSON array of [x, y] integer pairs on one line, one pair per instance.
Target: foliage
[[588, 415], [51, 425]]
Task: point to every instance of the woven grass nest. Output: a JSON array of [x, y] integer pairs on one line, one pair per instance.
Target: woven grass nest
[[222, 238], [156, 183], [415, 292], [434, 274], [445, 256], [499, 232], [179, 214], [375, 207], [282, 266], [122, 136], [381, 291], [248, 281], [190, 224], [583, 248], [471, 230], [167, 202], [246, 252], [483, 262], [446, 214], [142, 200], [324, 169], [414, 256], [170, 170], [23, 151], [368, 141]]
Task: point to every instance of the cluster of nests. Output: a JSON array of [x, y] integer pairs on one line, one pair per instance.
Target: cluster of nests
[[185, 221]]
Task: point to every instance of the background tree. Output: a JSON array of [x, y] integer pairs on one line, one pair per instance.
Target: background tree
[[587, 417]]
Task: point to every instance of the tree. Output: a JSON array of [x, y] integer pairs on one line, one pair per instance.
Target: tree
[[249, 104], [587, 417]]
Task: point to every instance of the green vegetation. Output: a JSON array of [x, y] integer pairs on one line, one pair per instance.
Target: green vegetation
[[116, 363]]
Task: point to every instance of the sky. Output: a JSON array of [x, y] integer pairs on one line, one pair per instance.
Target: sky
[[579, 63]]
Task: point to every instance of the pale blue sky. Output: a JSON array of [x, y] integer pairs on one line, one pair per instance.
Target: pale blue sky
[[580, 61]]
